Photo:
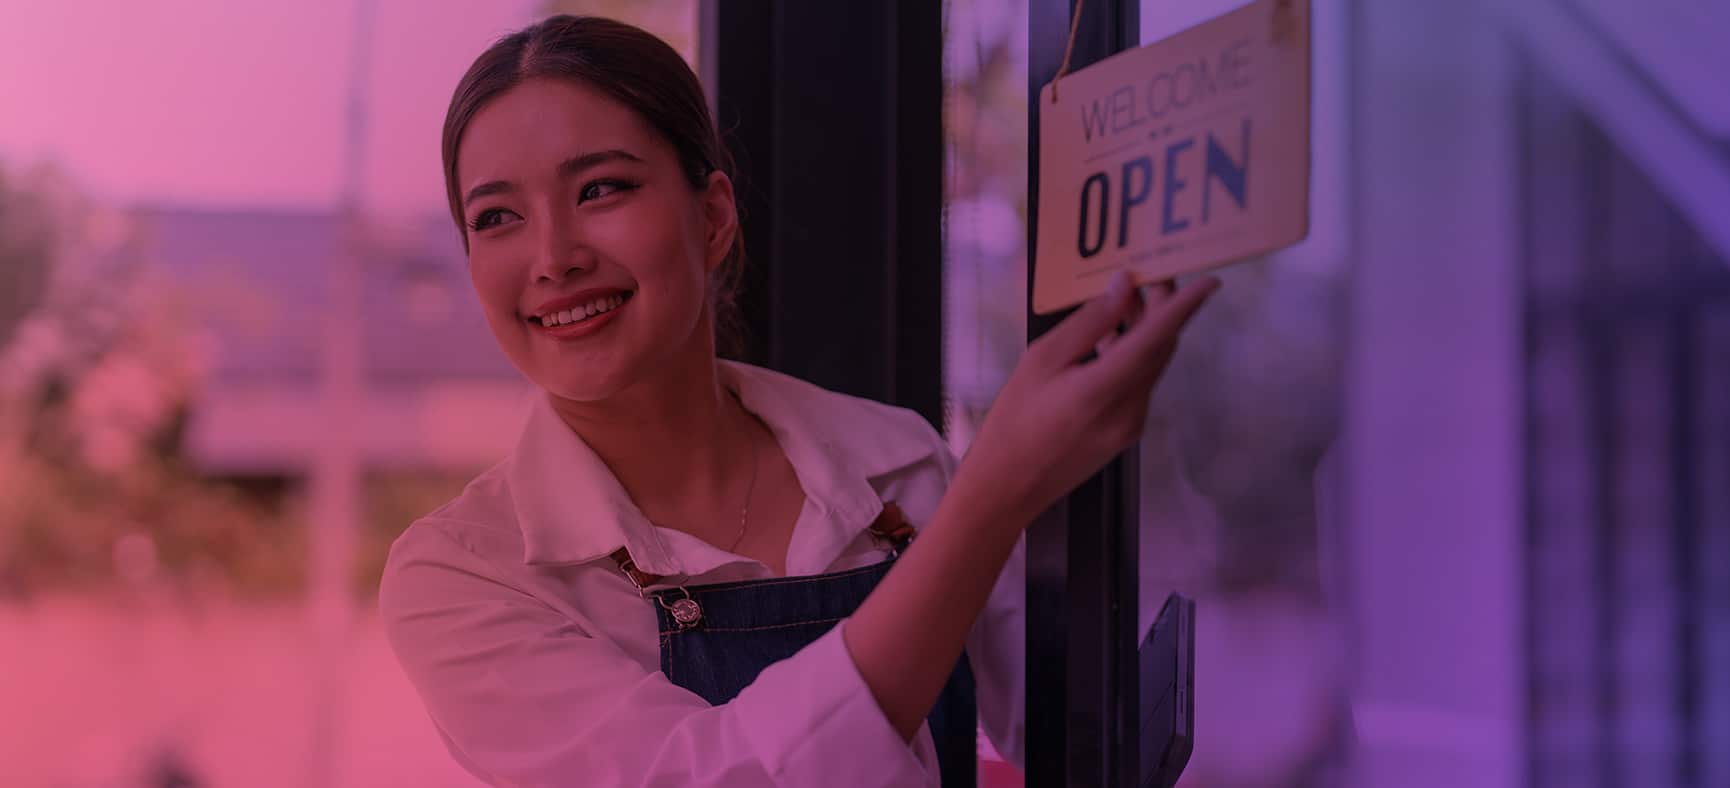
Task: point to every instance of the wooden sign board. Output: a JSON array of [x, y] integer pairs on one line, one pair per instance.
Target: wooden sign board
[[1186, 154]]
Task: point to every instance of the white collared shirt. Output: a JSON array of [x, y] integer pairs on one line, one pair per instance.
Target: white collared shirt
[[539, 662]]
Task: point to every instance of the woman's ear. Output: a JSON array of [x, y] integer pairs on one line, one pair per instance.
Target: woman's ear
[[720, 219]]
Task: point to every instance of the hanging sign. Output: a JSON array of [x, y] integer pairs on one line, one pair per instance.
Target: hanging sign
[[1186, 154]]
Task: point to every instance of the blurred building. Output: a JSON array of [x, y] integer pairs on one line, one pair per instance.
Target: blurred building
[[1538, 433], [439, 396]]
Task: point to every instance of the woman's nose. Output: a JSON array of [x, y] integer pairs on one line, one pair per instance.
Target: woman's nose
[[551, 272], [559, 253]]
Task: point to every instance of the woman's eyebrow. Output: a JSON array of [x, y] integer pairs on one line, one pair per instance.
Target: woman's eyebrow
[[567, 168], [486, 189], [576, 164]]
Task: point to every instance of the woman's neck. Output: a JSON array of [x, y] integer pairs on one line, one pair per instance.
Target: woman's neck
[[679, 443]]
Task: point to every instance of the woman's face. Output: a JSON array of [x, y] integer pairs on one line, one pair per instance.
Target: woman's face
[[588, 247]]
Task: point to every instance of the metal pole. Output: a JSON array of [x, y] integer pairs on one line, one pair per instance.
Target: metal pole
[[336, 475]]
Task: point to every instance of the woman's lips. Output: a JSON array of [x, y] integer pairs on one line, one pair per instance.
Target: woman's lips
[[584, 327]]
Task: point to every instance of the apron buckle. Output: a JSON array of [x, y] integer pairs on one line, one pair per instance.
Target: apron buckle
[[686, 612]]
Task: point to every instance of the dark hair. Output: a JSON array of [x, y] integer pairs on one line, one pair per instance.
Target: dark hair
[[634, 68]]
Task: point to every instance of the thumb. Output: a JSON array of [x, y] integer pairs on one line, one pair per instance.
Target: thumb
[[1077, 335]]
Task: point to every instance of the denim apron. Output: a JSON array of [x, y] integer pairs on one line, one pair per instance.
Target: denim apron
[[716, 638]]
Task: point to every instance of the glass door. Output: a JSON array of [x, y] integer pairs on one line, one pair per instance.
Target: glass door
[[1228, 499]]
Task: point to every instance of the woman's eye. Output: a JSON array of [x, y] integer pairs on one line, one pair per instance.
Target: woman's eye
[[599, 189], [488, 218]]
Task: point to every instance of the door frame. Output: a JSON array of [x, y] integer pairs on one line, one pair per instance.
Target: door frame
[[1082, 553]]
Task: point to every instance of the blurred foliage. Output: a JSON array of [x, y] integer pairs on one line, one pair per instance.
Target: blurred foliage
[[102, 365], [97, 376], [67, 526], [393, 500], [26, 238], [985, 129]]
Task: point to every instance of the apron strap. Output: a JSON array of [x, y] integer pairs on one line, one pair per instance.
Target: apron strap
[[890, 526]]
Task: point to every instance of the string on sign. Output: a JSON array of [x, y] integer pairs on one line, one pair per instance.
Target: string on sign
[[1068, 49]]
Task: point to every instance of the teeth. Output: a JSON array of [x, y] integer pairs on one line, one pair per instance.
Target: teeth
[[583, 312]]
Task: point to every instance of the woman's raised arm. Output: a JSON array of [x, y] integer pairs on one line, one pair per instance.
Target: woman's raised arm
[[1058, 420]]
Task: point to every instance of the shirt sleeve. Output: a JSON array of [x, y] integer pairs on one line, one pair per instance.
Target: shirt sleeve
[[522, 696]]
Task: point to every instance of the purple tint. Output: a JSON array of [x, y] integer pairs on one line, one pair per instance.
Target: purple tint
[[1447, 479]]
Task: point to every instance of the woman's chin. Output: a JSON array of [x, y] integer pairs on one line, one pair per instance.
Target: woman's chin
[[581, 388], [596, 374], [580, 377]]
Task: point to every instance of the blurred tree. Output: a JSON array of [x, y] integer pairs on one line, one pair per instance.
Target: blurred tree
[[98, 372], [26, 237], [985, 130], [394, 499]]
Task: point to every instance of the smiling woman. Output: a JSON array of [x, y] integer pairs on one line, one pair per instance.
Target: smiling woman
[[563, 183], [697, 572], [616, 65]]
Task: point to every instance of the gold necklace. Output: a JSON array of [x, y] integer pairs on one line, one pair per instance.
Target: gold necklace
[[745, 511], [687, 613]]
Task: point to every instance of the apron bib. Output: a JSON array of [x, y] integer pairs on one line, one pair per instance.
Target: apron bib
[[715, 639]]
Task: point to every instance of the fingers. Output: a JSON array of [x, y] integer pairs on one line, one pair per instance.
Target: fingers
[[1158, 292], [1104, 343], [1149, 341], [1086, 327], [1136, 301]]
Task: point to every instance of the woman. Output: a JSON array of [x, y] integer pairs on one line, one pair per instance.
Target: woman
[[690, 571]]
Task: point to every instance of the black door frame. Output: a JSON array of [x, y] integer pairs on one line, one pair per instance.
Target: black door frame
[[835, 113], [1082, 717]]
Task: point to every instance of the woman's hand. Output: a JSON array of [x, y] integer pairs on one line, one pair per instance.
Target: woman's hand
[[1057, 421], [1062, 416]]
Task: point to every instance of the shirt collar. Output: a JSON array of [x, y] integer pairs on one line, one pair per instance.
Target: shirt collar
[[571, 508]]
